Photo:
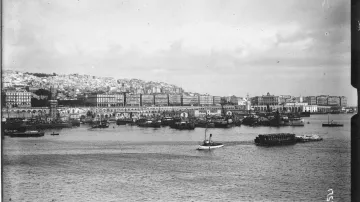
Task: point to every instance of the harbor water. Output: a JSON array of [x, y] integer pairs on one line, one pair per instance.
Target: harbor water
[[128, 163]]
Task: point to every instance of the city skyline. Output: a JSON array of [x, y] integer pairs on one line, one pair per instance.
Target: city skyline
[[216, 47]]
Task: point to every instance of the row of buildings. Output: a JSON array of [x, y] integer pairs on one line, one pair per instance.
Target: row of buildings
[[116, 100], [321, 100]]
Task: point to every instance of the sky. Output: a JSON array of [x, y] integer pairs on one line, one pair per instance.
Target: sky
[[220, 47]]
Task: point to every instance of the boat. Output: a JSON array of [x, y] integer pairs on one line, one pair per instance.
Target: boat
[[332, 123], [275, 139], [183, 125], [100, 124], [149, 123], [167, 121], [294, 121], [123, 121], [54, 133], [308, 138], [208, 144], [28, 133]]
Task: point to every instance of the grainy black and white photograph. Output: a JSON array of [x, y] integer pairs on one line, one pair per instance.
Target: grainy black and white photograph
[[176, 100]]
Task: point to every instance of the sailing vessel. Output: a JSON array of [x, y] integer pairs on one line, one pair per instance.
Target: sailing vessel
[[208, 144], [332, 123]]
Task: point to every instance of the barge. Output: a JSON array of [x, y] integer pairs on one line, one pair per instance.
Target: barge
[[29, 133], [275, 139]]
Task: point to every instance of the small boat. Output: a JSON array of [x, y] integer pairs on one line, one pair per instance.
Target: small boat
[[208, 144], [332, 124], [308, 138], [54, 133]]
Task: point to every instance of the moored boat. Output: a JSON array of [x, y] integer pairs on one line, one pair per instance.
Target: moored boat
[[183, 125], [100, 124], [149, 123], [332, 124]]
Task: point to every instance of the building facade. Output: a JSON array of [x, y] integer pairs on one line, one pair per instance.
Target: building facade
[[147, 100], [217, 100], [188, 100], [105, 100], [311, 100], [174, 100], [334, 101], [161, 100], [322, 100], [266, 100], [17, 98], [343, 101], [133, 100], [206, 100]]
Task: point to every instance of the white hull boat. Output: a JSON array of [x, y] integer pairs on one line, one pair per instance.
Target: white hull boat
[[202, 147], [208, 144]]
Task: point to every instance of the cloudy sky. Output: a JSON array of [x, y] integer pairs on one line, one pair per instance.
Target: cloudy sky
[[219, 47]]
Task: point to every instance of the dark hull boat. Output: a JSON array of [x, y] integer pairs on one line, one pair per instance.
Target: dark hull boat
[[123, 121], [183, 125], [103, 124], [275, 139], [149, 123], [332, 124], [31, 133]]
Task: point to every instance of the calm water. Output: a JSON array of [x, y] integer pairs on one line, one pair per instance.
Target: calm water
[[127, 163]]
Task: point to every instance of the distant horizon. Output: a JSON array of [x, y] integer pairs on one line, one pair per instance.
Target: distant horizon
[[231, 47]]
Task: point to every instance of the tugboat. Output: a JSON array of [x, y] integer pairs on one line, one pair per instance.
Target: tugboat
[[28, 133], [208, 144], [275, 139], [332, 124]]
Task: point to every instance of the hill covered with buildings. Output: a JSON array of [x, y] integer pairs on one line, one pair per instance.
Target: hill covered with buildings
[[67, 87]]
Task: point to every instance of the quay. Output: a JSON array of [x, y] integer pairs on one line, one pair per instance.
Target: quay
[[108, 112]]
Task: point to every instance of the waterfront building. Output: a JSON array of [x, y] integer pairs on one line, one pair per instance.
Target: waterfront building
[[324, 109], [284, 98], [322, 100], [104, 100], [15, 98], [343, 101], [188, 100], [53, 108], [147, 100], [311, 100], [161, 100], [217, 100], [206, 100], [310, 108], [174, 100], [133, 100], [266, 100], [334, 101]]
